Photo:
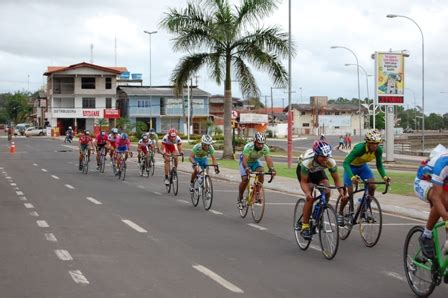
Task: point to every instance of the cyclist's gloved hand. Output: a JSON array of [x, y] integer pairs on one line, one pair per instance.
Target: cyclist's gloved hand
[[355, 179], [309, 197], [194, 165], [386, 179], [272, 171], [216, 170], [247, 171]]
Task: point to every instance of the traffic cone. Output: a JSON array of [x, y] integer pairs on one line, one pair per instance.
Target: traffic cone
[[12, 148]]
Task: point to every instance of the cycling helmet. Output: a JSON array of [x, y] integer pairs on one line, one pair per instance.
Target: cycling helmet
[[373, 136], [322, 148], [69, 128], [87, 132], [103, 133], [438, 150], [260, 138], [114, 130], [206, 140], [152, 131], [124, 136], [145, 137], [172, 132]]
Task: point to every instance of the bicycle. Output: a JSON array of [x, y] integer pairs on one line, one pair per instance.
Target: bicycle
[[147, 163], [323, 221], [254, 197], [121, 165], [102, 160], [368, 215], [172, 178], [203, 187], [424, 274], [85, 161]]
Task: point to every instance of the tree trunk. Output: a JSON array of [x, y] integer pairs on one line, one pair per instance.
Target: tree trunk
[[228, 150]]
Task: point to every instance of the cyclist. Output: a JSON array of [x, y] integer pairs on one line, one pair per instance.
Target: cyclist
[[154, 137], [144, 145], [171, 143], [311, 171], [111, 140], [249, 162], [356, 168], [198, 157], [123, 146], [85, 143], [101, 141], [69, 135], [431, 185]]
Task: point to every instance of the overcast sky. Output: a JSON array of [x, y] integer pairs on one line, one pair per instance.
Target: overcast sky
[[39, 33]]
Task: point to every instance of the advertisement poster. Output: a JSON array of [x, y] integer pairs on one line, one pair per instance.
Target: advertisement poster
[[390, 78]]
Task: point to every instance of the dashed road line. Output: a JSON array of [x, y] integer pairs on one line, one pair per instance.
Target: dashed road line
[[225, 283], [55, 177], [215, 212], [29, 205], [69, 186], [257, 227], [35, 164], [12, 184], [182, 201], [22, 198], [50, 237], [157, 193], [34, 213], [78, 277], [94, 201], [395, 275], [63, 255], [8, 177], [44, 170], [42, 224], [20, 193], [134, 226], [286, 204]]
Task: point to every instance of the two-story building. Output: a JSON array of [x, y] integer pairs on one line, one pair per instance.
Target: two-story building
[[159, 108], [80, 95], [217, 108]]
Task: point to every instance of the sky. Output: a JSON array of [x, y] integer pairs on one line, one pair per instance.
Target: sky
[[38, 33]]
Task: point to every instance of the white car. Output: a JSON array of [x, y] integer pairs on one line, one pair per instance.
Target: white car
[[35, 131]]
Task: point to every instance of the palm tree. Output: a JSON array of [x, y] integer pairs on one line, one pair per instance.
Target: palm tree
[[226, 38]]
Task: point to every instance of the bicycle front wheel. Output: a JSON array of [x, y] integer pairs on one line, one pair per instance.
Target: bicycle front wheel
[[243, 207], [152, 165], [417, 267], [297, 225], [207, 193], [344, 231], [195, 194], [85, 165], [329, 232], [174, 181], [258, 203], [102, 163], [371, 222]]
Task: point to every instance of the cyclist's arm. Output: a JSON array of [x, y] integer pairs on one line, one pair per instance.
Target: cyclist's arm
[[337, 180], [179, 148], [269, 162], [213, 157], [357, 151], [437, 196], [379, 162], [244, 161], [304, 182], [192, 157]]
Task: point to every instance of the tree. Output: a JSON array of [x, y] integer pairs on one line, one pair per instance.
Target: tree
[[226, 38], [434, 121], [17, 107], [255, 102]]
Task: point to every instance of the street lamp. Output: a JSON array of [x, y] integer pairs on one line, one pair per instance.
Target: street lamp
[[423, 73], [359, 95], [149, 34], [367, 87], [415, 108]]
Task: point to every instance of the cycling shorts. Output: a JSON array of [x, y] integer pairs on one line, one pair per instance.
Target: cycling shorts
[[201, 161], [362, 171], [422, 188], [253, 166], [315, 177], [84, 147], [121, 149], [169, 148]]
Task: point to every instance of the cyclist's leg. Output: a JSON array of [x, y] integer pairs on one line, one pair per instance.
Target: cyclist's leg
[[366, 174], [243, 183], [349, 185], [98, 153]]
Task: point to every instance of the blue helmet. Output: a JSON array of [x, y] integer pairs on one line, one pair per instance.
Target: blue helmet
[[124, 136], [322, 148]]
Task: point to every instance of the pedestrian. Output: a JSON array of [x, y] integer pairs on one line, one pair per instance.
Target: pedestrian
[[341, 143], [346, 141], [349, 139]]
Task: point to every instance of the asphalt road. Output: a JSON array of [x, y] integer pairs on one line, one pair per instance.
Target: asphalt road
[[65, 234]]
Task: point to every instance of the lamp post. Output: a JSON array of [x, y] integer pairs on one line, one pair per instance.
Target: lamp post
[[415, 108], [367, 85], [149, 34], [423, 73], [359, 95]]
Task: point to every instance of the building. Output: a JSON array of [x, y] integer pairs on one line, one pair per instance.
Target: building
[[321, 117], [217, 108], [80, 95], [159, 108]]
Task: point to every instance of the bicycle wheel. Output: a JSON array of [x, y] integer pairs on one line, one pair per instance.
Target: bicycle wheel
[[417, 267], [102, 163], [297, 225], [174, 181], [152, 165], [344, 231], [207, 192], [123, 170], [195, 194], [244, 206], [85, 164], [329, 232], [258, 204], [371, 222]]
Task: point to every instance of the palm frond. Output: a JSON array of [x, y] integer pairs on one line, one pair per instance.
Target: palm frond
[[245, 78], [254, 10]]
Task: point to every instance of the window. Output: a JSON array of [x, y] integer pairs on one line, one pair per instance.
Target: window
[[108, 103], [302, 113], [305, 125], [336, 113], [88, 103], [63, 85], [108, 83], [87, 83]]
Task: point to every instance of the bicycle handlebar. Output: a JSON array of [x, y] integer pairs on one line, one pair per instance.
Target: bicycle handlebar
[[320, 186], [172, 155], [366, 182], [263, 173]]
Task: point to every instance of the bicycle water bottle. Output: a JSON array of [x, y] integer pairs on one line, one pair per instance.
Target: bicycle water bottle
[[316, 210]]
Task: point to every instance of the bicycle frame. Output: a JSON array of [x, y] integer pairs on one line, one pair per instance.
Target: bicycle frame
[[252, 185], [442, 265], [364, 199]]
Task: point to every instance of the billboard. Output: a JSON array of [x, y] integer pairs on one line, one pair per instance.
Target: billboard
[[77, 113], [332, 121], [389, 81], [247, 118]]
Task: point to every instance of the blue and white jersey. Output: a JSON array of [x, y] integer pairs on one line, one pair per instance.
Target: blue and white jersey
[[440, 170]]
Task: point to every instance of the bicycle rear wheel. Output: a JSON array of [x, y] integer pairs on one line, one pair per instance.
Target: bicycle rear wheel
[[344, 231], [417, 267], [174, 181], [195, 195], [147, 166], [102, 163], [207, 193], [244, 207], [329, 232], [85, 164], [141, 165], [258, 204], [152, 165], [371, 222], [297, 225]]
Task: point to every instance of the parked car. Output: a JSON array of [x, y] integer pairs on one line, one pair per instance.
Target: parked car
[[35, 131], [20, 128], [408, 130]]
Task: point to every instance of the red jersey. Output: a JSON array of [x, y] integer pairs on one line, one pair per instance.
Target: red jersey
[[85, 139], [101, 139]]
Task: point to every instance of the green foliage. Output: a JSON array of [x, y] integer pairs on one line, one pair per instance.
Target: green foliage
[[140, 127], [217, 133], [17, 107], [124, 125]]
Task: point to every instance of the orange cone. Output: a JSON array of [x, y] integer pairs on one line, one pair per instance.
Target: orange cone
[[12, 148]]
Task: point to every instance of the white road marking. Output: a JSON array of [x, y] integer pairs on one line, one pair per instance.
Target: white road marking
[[34, 213], [42, 224], [257, 227], [63, 255], [78, 277], [12, 184], [395, 275], [94, 201], [7, 177], [20, 193], [1, 168], [226, 284], [141, 186], [134, 226], [29, 205], [157, 193], [35, 164], [55, 177], [399, 224], [50, 237], [182, 201], [71, 147], [16, 188], [215, 212], [44, 170], [288, 204], [22, 198], [69, 186]]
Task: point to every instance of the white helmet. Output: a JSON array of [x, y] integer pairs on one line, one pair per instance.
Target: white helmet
[[373, 136], [206, 140], [114, 130], [69, 128], [260, 138], [439, 149]]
